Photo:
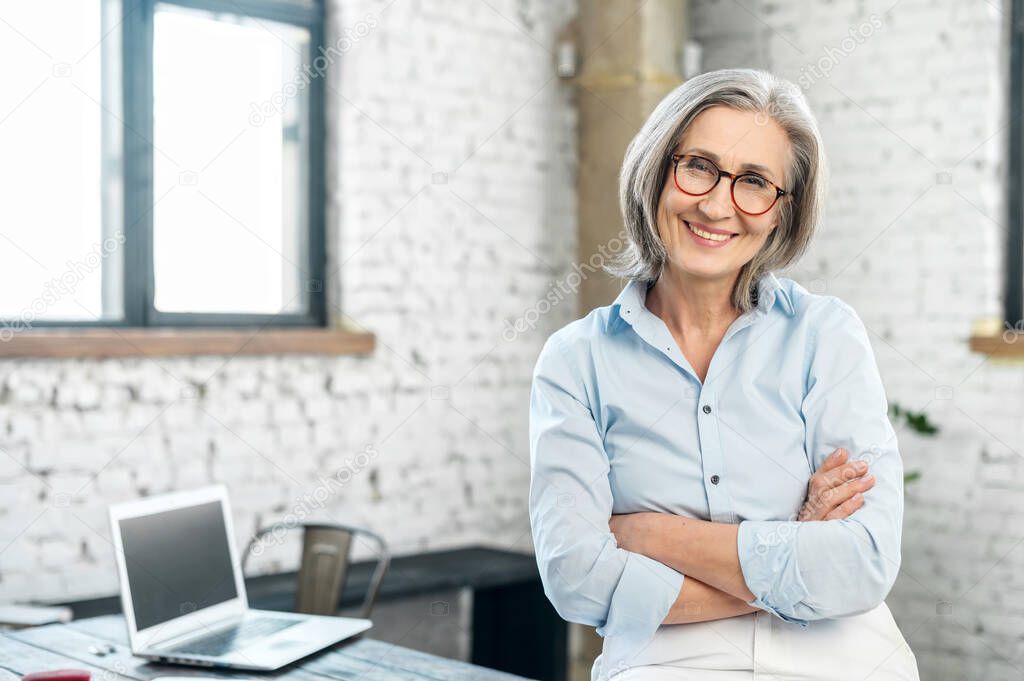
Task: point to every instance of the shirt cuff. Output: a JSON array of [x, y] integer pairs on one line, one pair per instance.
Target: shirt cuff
[[642, 599], [768, 559]]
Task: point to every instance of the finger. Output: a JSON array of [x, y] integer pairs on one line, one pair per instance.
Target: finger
[[845, 473], [835, 497], [837, 457], [827, 500], [847, 508], [822, 481]]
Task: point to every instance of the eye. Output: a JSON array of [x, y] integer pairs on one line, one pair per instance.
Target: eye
[[754, 181], [697, 163]]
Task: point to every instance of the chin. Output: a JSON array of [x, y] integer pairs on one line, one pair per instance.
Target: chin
[[699, 265]]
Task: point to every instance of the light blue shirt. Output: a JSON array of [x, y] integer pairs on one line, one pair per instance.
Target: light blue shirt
[[620, 423]]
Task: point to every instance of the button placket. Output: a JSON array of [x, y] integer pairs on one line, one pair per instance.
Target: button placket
[[711, 457]]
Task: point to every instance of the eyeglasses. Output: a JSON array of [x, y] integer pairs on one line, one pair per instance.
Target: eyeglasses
[[751, 193]]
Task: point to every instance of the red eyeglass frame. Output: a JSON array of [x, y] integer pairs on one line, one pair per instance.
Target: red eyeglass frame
[[779, 192]]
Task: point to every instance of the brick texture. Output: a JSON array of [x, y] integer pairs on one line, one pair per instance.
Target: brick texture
[[452, 208], [910, 100]]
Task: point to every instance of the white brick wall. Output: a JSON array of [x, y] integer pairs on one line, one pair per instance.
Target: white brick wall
[[921, 96], [433, 269], [462, 94]]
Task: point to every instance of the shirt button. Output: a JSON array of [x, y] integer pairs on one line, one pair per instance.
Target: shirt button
[[715, 479], [707, 408]]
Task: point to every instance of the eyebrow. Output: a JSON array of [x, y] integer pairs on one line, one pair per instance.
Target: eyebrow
[[746, 166]]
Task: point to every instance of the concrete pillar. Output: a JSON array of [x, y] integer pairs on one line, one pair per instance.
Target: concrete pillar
[[630, 54]]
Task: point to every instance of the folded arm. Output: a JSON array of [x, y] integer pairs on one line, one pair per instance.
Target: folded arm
[[826, 569], [698, 602], [817, 569], [586, 576], [700, 549]]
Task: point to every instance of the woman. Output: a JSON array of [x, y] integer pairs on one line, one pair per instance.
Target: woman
[[700, 448]]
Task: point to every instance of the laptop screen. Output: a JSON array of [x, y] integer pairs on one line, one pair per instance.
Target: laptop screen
[[178, 561]]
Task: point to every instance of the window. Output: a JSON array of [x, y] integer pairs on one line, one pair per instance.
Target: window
[[162, 164]]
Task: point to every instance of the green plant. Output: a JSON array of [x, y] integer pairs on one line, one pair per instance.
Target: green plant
[[916, 421]]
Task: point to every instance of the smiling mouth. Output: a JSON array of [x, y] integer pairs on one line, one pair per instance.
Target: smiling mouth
[[710, 236]]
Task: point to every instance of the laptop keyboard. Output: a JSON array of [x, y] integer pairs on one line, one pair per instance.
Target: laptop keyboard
[[234, 637]]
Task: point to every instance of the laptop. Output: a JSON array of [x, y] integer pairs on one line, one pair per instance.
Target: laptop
[[184, 597]]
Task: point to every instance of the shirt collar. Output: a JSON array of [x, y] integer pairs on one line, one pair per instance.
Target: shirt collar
[[769, 291], [631, 300]]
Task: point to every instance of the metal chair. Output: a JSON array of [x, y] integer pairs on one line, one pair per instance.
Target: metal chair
[[324, 564]]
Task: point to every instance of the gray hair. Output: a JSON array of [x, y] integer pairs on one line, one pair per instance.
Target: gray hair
[[647, 161]]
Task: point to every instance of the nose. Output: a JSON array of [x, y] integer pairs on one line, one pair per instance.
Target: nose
[[717, 204]]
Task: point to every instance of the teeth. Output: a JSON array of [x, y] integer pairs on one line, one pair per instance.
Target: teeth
[[708, 235]]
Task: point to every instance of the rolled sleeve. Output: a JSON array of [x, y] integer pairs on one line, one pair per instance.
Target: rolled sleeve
[[586, 576], [772, 576], [803, 571]]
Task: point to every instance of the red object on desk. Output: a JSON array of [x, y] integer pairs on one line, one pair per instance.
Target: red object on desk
[[58, 675]]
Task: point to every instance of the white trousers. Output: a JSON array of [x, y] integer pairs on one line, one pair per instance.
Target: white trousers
[[761, 647]]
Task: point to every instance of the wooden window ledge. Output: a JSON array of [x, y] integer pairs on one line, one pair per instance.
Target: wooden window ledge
[[167, 342], [1008, 346], [990, 336]]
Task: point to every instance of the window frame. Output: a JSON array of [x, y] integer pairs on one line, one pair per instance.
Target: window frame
[[138, 286], [1013, 308]]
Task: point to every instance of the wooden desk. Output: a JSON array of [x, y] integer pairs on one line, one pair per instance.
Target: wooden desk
[[58, 646], [515, 628]]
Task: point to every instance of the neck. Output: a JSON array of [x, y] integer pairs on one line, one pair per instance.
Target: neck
[[694, 305]]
